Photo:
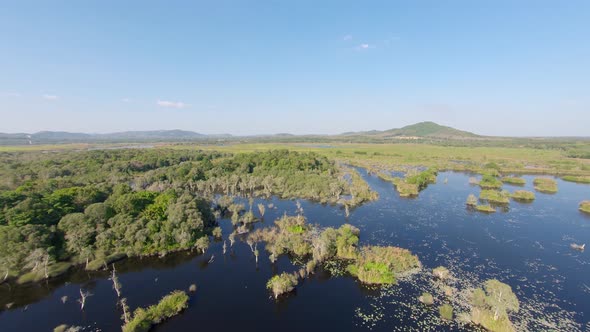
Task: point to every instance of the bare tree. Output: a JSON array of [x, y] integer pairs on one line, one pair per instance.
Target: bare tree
[[232, 239], [116, 283], [83, 296], [261, 209], [126, 315], [224, 247]]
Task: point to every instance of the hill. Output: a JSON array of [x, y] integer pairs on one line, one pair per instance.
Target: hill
[[420, 130]]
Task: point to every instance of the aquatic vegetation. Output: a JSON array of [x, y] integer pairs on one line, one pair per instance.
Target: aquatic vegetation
[[490, 306], [585, 206], [67, 328], [495, 196], [378, 265], [490, 182], [485, 208], [169, 306], [441, 273], [545, 185], [202, 244], [412, 184], [514, 180], [406, 189], [473, 181], [523, 195], [471, 200], [426, 298], [423, 179], [446, 311], [578, 179], [282, 283]]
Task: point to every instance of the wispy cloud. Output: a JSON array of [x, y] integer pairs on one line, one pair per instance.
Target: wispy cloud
[[364, 46], [126, 100], [171, 104], [50, 97], [347, 37]]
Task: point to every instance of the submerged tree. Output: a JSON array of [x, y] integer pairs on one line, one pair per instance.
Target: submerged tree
[[83, 296], [202, 244]]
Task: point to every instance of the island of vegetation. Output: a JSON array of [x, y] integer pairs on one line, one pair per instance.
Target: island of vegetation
[[585, 206], [578, 179], [495, 196], [523, 195], [486, 208], [413, 183], [545, 185], [518, 181], [169, 306]]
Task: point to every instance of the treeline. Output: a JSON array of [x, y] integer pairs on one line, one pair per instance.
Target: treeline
[[93, 207]]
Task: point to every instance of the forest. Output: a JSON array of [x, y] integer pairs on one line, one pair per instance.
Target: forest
[[67, 208]]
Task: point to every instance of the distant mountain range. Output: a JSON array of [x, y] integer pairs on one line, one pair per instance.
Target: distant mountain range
[[423, 131]]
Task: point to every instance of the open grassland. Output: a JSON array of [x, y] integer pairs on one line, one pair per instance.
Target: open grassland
[[396, 156]]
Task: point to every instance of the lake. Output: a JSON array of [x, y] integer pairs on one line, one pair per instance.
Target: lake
[[526, 246]]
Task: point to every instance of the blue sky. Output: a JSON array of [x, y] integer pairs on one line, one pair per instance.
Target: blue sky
[[251, 67]]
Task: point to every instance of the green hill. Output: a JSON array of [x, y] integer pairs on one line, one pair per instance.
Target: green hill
[[420, 130]]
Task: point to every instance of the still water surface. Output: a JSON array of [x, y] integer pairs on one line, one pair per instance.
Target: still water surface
[[525, 245]]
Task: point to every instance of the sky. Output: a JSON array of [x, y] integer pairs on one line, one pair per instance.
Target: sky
[[511, 68]]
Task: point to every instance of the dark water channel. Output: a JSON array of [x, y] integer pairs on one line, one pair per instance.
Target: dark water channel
[[525, 245]]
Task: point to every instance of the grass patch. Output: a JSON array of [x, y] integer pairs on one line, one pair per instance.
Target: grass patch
[[545, 185], [99, 263], [585, 206], [514, 180], [426, 298], [54, 270], [577, 179], [169, 306], [485, 208], [495, 196], [523, 195]]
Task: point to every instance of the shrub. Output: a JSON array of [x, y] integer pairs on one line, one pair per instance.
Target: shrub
[[282, 283], [170, 305], [217, 232], [378, 265], [441, 272], [446, 311]]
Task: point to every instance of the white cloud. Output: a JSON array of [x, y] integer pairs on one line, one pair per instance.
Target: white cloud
[[347, 38], [171, 104], [364, 46], [10, 94], [126, 100], [50, 97]]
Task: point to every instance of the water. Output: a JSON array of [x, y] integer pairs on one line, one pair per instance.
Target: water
[[526, 246]]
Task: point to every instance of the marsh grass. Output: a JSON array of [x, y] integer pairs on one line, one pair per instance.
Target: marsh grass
[[577, 179], [495, 196], [585, 206], [523, 195], [485, 208], [514, 180], [545, 185]]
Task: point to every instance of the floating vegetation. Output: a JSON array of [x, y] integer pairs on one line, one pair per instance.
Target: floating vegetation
[[490, 182], [523, 195], [585, 206], [490, 306], [495, 196], [545, 185], [514, 180], [578, 179], [485, 208]]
